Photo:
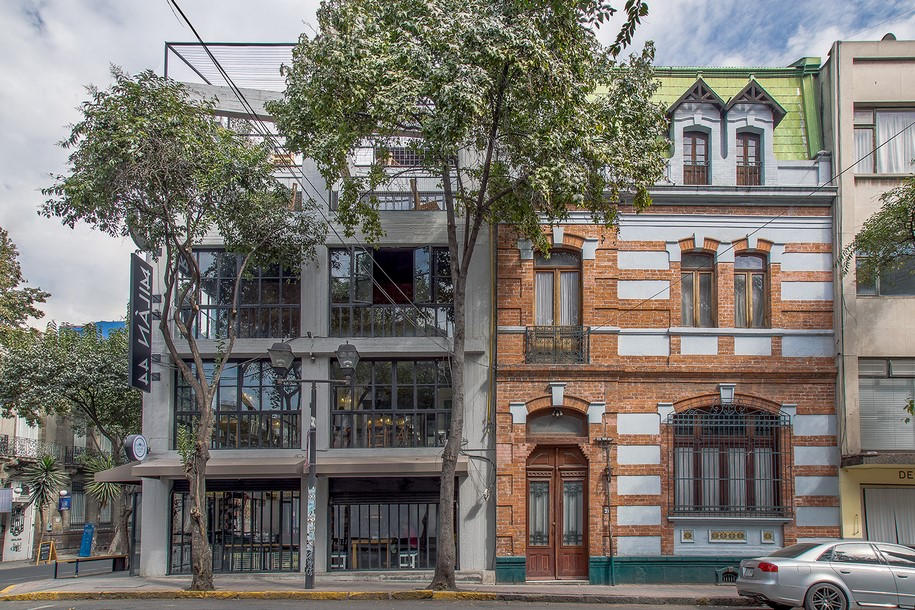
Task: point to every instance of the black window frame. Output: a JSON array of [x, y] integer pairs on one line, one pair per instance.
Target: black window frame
[[256, 319], [721, 428], [381, 388], [281, 428], [353, 311]]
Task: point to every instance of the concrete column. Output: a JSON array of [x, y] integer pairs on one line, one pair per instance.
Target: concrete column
[[155, 521]]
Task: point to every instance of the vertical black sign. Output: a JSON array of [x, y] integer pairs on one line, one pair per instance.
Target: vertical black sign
[[140, 323]]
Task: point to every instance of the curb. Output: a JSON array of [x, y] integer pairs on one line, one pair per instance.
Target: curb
[[384, 595]]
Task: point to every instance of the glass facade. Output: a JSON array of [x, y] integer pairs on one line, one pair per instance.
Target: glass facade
[[253, 526], [250, 410]]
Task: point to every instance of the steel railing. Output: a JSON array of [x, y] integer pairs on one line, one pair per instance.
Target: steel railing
[[400, 429], [557, 344], [33, 448], [749, 174], [695, 172], [401, 320]]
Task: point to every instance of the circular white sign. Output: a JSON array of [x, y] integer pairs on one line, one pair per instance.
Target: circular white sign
[[137, 447]]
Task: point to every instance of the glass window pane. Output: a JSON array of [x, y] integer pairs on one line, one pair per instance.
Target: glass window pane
[[686, 299], [569, 298], [864, 117], [572, 511], [705, 300], [759, 300], [544, 295], [898, 555], [748, 261], [854, 553], [558, 258], [422, 272], [865, 281], [899, 281], [710, 477], [538, 519], [897, 153], [740, 300], [696, 261], [864, 146]]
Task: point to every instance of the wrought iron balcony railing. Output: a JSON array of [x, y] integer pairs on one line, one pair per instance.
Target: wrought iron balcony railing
[[400, 429], [695, 172], [749, 174], [357, 320], [33, 449], [557, 344]]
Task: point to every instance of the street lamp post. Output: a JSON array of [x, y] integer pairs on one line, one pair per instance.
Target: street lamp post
[[282, 359]]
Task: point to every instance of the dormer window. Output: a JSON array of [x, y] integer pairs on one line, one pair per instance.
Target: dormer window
[[695, 157], [749, 164]]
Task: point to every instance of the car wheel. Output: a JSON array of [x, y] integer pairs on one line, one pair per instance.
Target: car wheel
[[776, 606], [824, 596]]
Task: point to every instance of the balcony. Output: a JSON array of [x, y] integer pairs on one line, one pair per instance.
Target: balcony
[[386, 429], [695, 172], [402, 201], [391, 320], [749, 174], [556, 344], [33, 449]]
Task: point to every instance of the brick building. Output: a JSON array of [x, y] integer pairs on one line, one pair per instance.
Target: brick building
[[665, 392]]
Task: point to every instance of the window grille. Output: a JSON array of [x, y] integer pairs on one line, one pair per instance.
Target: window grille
[[729, 460], [77, 505]]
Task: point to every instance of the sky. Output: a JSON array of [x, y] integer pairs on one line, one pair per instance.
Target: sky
[[53, 48]]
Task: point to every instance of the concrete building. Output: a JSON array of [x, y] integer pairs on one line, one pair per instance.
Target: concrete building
[[868, 93], [379, 436], [666, 392]]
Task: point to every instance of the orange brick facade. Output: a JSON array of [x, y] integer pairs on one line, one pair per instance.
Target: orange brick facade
[[610, 384]]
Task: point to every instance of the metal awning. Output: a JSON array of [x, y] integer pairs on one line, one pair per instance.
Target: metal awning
[[118, 474], [383, 465], [224, 468]]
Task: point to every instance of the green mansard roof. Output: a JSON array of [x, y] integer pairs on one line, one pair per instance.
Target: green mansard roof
[[797, 135]]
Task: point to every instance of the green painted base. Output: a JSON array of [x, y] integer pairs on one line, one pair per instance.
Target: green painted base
[[656, 570], [511, 569]]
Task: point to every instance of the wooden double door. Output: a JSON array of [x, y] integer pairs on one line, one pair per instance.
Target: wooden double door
[[557, 514]]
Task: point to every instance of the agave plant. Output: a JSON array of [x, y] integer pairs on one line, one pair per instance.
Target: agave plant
[[45, 479], [103, 492]]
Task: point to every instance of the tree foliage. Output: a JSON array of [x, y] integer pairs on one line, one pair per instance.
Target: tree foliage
[[887, 236], [148, 160], [77, 373], [17, 303], [44, 478], [514, 105]]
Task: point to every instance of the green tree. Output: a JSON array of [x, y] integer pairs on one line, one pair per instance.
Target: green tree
[[150, 161], [45, 478], [886, 242], [17, 303], [79, 374], [516, 107]]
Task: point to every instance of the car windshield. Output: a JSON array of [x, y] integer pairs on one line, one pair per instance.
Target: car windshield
[[795, 550]]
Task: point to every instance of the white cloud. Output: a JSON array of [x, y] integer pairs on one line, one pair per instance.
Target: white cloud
[[54, 47]]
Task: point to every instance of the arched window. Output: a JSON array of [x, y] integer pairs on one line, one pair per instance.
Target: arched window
[[697, 290], [751, 291], [728, 460], [749, 163], [557, 287], [695, 157]]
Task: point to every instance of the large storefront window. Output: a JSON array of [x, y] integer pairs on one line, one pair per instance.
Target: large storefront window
[[885, 387], [253, 526], [392, 403], [394, 292], [383, 524], [250, 411], [729, 461], [269, 298]]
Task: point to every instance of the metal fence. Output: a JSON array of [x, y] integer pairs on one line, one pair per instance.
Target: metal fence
[[33, 448], [356, 320], [401, 429], [557, 344], [729, 460], [749, 174]]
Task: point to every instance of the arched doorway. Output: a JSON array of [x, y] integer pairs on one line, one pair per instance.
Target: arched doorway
[[557, 513]]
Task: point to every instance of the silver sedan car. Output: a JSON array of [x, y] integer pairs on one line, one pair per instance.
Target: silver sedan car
[[836, 575]]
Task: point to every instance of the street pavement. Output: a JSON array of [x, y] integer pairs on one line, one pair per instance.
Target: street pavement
[[24, 572], [208, 604]]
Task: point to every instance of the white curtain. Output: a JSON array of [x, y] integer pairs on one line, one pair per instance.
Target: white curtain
[[544, 290], [896, 156], [764, 473], [711, 493], [864, 145], [569, 298], [737, 477], [683, 474]]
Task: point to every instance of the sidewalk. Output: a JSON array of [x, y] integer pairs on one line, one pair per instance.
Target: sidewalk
[[273, 586]]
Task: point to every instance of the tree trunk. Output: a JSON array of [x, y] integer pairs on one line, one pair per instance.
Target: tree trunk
[[122, 510], [201, 553], [446, 555]]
